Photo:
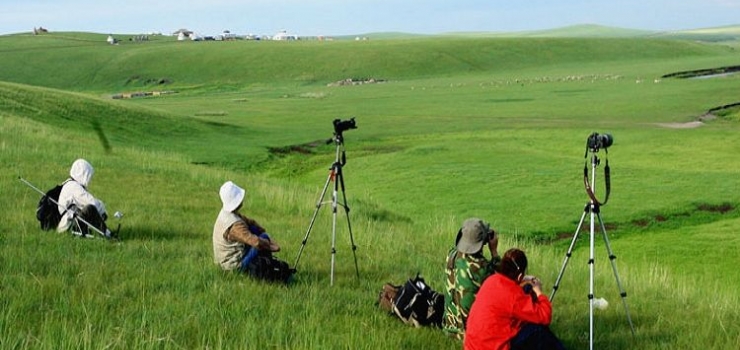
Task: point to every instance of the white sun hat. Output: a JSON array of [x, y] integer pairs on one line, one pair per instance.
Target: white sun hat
[[231, 196]]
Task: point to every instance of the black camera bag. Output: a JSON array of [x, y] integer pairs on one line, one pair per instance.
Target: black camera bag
[[269, 268], [418, 304]]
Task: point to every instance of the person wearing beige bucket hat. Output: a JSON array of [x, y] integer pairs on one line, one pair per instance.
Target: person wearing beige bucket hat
[[238, 241], [466, 269]]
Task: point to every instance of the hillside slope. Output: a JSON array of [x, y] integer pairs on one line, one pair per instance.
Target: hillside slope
[[165, 64], [112, 123]]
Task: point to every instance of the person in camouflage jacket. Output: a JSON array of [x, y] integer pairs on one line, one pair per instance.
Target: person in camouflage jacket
[[466, 269]]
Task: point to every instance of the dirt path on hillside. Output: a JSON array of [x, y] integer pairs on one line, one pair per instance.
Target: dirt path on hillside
[[689, 125]]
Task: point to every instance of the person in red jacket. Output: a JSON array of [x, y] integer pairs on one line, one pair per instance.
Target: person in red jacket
[[510, 311]]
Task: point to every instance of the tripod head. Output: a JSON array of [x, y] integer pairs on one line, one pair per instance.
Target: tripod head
[[339, 127], [336, 138]]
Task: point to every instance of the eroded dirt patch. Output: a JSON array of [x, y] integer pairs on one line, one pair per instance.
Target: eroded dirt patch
[[710, 115], [652, 221], [689, 125], [306, 148], [719, 208]]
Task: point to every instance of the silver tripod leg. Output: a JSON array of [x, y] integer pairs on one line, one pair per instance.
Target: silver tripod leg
[[570, 252], [595, 213], [338, 177], [333, 229], [319, 203], [591, 263], [340, 181], [612, 257]]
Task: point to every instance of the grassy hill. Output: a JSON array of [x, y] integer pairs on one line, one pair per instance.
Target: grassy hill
[[586, 31], [725, 34], [458, 127], [95, 66]]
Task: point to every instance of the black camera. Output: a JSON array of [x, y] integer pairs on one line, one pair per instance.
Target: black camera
[[342, 125], [596, 141]]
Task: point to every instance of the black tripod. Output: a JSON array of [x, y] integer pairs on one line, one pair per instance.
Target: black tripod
[[593, 207], [336, 176]]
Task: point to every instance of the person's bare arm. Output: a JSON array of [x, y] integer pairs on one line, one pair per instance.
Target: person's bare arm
[[493, 244]]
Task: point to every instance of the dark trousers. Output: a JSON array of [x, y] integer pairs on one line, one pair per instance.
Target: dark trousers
[[90, 214], [536, 337]]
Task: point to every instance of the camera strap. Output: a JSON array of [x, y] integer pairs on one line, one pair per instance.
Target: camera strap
[[607, 182]]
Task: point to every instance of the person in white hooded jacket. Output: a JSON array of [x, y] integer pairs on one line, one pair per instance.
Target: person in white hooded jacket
[[78, 202]]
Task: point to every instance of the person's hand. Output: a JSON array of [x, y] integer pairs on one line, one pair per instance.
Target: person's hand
[[274, 247], [536, 285], [268, 244], [533, 282], [493, 243]]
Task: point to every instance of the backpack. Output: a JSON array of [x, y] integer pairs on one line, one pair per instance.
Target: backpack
[[418, 304], [47, 211]]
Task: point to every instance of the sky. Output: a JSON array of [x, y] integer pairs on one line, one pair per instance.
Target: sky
[[354, 17]]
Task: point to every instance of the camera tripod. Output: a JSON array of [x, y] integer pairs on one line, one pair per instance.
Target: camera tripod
[[593, 207], [337, 176]]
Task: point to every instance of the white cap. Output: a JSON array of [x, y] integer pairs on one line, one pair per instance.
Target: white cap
[[231, 196]]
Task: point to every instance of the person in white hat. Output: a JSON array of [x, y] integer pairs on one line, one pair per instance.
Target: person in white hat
[[75, 201], [237, 239], [466, 269]]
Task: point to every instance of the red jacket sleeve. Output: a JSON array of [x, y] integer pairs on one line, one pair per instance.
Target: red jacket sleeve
[[537, 312]]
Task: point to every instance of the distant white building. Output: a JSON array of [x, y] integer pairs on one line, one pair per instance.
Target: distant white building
[[283, 35], [182, 34], [226, 35]]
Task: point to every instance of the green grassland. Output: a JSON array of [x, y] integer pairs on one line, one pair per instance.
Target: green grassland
[[455, 127]]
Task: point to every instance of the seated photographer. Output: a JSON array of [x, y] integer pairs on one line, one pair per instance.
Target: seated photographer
[[510, 311], [466, 269], [240, 243], [80, 204]]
